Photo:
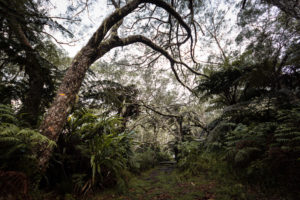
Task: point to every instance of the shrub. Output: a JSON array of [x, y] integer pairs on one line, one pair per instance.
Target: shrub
[[92, 154]]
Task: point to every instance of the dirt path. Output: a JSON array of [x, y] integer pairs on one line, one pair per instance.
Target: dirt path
[[162, 170], [162, 183], [166, 183]]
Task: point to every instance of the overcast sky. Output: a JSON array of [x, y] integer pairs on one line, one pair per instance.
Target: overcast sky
[[92, 17], [90, 21]]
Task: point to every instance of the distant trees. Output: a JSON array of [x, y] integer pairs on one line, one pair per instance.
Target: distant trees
[[167, 29], [258, 96], [290, 7]]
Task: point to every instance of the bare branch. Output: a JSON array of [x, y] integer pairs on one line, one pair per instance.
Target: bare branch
[[71, 43]]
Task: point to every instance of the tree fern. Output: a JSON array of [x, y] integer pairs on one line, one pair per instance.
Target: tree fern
[[17, 144], [93, 147], [7, 115]]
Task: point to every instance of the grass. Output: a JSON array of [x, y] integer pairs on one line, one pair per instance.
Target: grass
[[159, 184], [203, 180], [167, 183]]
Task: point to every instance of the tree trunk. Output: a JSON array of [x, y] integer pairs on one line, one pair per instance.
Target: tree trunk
[[33, 68], [32, 102], [56, 116], [96, 47]]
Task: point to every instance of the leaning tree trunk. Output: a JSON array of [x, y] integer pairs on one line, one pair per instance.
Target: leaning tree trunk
[[97, 46], [56, 116]]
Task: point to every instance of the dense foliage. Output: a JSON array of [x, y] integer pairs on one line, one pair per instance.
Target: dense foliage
[[237, 115]]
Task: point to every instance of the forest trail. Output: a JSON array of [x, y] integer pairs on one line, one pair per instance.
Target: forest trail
[[163, 183]]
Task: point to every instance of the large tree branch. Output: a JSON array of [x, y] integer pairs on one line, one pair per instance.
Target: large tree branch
[[159, 112], [107, 45], [96, 47], [148, 42], [120, 13]]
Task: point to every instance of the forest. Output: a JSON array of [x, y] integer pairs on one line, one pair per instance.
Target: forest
[[149, 99]]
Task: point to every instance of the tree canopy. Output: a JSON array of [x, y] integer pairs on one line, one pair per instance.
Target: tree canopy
[[212, 86]]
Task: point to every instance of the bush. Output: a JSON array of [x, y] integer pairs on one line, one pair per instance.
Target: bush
[[163, 156], [18, 144], [92, 154], [144, 160], [147, 156], [18, 155]]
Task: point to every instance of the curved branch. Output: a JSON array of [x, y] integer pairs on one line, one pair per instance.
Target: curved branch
[[120, 13], [158, 112], [96, 47], [148, 42]]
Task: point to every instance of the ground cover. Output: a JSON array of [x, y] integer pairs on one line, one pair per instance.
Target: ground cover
[[166, 183]]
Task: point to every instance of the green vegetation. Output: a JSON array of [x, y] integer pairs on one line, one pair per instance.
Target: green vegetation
[[18, 143], [212, 181], [208, 108]]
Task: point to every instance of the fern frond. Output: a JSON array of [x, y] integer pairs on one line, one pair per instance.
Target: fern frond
[[244, 154]]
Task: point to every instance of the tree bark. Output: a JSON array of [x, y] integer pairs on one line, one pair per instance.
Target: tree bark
[[32, 102], [33, 68], [57, 114], [96, 47]]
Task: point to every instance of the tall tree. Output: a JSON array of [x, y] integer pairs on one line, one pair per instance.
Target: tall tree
[[103, 40], [22, 40]]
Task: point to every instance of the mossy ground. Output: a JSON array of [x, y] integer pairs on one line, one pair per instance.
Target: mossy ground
[[165, 183]]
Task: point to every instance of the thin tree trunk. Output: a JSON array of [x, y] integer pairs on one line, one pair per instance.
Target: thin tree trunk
[[33, 68], [32, 103]]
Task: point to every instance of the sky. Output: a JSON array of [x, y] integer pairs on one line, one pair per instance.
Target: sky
[[91, 19]]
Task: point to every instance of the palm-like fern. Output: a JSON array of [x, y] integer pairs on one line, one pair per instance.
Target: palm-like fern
[[17, 144], [7, 115], [92, 153]]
